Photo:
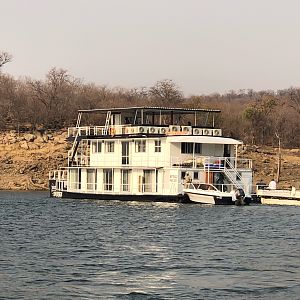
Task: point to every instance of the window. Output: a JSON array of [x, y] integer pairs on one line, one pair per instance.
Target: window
[[198, 148], [187, 148], [125, 180], [110, 146], [157, 146], [147, 181], [91, 177], [75, 179], [96, 146], [140, 146], [196, 175], [108, 179], [125, 153]]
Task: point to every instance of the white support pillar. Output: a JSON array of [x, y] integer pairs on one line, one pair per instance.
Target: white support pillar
[[236, 155]]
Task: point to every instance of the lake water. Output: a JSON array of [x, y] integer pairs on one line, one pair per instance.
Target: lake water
[[67, 249]]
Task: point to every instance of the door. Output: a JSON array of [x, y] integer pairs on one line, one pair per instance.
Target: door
[[108, 179], [148, 180], [209, 177], [125, 153]]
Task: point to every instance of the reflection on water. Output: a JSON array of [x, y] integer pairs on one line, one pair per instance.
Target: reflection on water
[[67, 249]]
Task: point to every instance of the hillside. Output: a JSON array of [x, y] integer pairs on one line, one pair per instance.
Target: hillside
[[265, 164], [26, 159]]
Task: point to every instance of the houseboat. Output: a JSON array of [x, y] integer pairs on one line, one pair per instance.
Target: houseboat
[[144, 153]]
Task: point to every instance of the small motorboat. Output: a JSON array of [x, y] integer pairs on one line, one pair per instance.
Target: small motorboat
[[279, 197], [205, 193]]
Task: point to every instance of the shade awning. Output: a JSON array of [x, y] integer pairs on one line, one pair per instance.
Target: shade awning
[[204, 140], [151, 109]]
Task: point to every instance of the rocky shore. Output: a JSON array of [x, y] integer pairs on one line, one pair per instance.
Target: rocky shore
[[265, 161], [26, 159]]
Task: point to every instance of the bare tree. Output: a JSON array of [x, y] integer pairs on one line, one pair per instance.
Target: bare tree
[[5, 57], [294, 99], [166, 92], [55, 94]]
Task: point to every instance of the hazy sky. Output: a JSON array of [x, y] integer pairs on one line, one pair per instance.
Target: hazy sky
[[205, 46]]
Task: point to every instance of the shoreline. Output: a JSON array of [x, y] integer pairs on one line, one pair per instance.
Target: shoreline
[[26, 159]]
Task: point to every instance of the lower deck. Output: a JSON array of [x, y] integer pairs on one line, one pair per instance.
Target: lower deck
[[141, 182]]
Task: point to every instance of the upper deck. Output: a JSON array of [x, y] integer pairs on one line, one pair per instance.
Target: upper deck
[[147, 121]]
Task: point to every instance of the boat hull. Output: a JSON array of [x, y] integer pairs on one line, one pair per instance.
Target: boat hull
[[121, 197], [279, 201], [279, 197], [210, 199]]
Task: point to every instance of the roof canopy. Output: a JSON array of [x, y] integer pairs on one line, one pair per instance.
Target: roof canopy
[[204, 140], [150, 110]]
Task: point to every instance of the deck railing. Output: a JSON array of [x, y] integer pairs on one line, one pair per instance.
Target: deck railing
[[96, 130], [112, 130], [208, 163], [60, 174]]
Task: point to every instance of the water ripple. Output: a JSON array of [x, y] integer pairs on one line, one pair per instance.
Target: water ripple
[[66, 249]]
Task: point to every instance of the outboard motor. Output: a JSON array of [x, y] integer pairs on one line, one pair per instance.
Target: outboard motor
[[240, 197]]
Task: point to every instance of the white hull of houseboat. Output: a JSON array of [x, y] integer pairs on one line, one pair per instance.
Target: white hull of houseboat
[[180, 198]]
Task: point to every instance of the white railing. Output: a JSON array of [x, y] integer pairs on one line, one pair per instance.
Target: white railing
[[61, 174], [61, 178], [205, 186], [208, 163], [97, 130], [79, 160], [212, 162], [110, 129]]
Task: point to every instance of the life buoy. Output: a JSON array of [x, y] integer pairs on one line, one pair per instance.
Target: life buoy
[[206, 132], [152, 129], [196, 131], [163, 130]]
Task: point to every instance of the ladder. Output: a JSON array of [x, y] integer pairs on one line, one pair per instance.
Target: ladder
[[232, 174], [107, 121], [76, 142]]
